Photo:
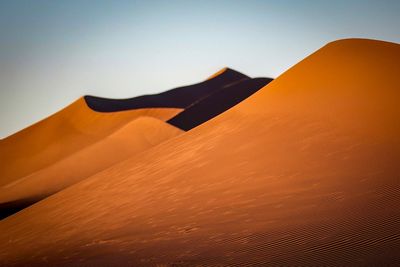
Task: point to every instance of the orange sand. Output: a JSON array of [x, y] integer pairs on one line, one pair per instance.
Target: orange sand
[[304, 172], [62, 134], [136, 136]]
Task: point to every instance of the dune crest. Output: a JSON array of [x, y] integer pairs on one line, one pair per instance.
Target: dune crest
[[180, 97], [304, 172], [218, 73], [217, 103]]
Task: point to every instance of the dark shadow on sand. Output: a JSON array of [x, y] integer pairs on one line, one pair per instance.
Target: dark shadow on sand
[[180, 97], [218, 102], [9, 208]]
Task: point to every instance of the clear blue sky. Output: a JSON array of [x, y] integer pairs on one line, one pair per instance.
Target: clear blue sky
[[52, 52]]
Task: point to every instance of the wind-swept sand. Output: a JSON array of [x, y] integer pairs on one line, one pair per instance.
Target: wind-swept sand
[[62, 134], [136, 136], [304, 172]]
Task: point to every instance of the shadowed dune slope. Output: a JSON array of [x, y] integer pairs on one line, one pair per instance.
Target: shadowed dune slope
[[302, 173], [62, 134], [218, 102], [180, 97], [132, 138]]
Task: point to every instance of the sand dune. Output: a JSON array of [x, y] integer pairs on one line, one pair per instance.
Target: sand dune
[[136, 136], [218, 102], [180, 97], [61, 134], [88, 120], [302, 173]]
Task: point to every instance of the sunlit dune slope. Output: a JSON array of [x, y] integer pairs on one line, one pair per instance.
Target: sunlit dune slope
[[218, 102], [303, 173], [61, 134], [180, 97], [136, 136]]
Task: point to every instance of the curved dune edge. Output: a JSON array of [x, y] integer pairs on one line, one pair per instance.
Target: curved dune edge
[[180, 97], [62, 134], [220, 101], [303, 173], [138, 135], [218, 73]]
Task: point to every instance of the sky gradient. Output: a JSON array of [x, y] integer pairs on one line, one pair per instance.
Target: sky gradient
[[52, 52]]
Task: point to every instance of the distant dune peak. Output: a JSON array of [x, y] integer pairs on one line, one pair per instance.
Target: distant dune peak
[[218, 73], [180, 97]]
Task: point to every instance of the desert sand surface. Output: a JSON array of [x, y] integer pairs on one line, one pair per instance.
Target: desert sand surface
[[303, 173], [180, 97], [62, 134], [132, 138], [218, 102]]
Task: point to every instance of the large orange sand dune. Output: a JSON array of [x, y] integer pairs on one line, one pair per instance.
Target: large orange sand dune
[[132, 138], [305, 172], [62, 134]]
